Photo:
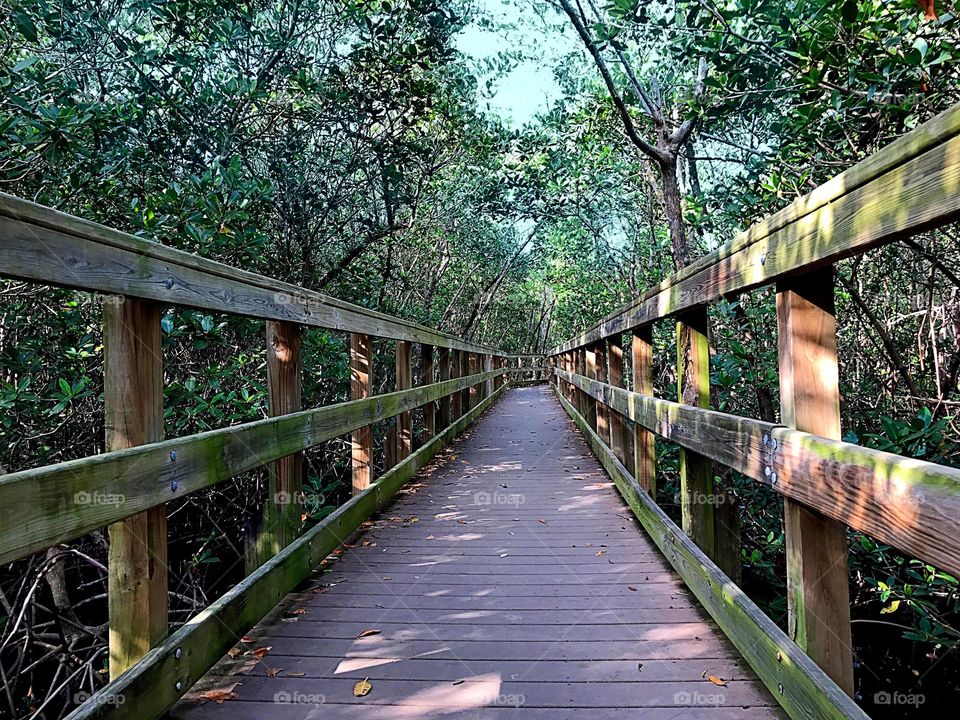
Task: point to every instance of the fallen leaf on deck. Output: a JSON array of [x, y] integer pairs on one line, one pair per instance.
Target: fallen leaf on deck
[[234, 651], [367, 633], [631, 587], [218, 695], [717, 680], [542, 521], [601, 553], [247, 639], [387, 577], [429, 537], [363, 687], [273, 672], [261, 652]]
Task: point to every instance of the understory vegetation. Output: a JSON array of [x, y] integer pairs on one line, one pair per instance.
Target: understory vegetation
[[343, 146]]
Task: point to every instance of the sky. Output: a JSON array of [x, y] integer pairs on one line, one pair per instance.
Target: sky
[[530, 87]]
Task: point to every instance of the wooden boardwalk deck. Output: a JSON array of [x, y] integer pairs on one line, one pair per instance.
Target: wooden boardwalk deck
[[510, 581]]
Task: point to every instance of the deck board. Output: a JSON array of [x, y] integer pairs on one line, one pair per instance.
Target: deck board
[[509, 582]]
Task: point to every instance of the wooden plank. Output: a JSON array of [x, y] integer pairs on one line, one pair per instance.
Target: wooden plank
[[39, 507], [818, 596], [473, 394], [280, 521], [456, 371], [170, 669], [47, 246], [590, 367], [857, 210], [361, 387], [794, 680], [426, 378], [603, 418], [906, 503], [404, 422], [644, 442], [133, 409]]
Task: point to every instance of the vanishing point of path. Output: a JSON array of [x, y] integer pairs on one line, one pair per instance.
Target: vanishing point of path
[[508, 581]]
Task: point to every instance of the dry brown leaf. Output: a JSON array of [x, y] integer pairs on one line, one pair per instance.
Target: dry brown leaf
[[273, 672], [363, 687], [219, 695], [234, 651], [631, 587], [367, 633], [429, 537], [261, 652], [387, 577], [601, 553], [717, 680], [542, 521], [462, 522], [247, 639]]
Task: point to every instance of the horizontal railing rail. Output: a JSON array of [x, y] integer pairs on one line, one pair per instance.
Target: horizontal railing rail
[[127, 487], [911, 186]]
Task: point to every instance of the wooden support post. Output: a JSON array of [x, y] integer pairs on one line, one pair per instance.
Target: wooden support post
[[583, 400], [430, 409], [404, 420], [618, 435], [593, 410], [133, 404], [644, 441], [361, 386], [817, 583], [473, 397], [708, 516], [603, 412], [456, 370], [443, 410], [281, 513]]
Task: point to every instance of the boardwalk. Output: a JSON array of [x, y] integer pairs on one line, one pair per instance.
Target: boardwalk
[[509, 582]]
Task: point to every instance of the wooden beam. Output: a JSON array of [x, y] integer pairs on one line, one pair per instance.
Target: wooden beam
[[794, 680], [644, 442], [38, 507], [859, 209], [618, 430], [696, 470], [404, 419], [590, 365], [43, 245], [456, 371], [818, 598], [903, 502], [473, 394], [155, 684], [361, 386], [133, 407], [601, 369], [443, 410], [280, 521], [430, 409]]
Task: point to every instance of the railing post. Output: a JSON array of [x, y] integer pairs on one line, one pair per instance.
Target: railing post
[[583, 399], [456, 371], [473, 393], [430, 409], [644, 441], [361, 386], [443, 413], [133, 404], [593, 409], [817, 583], [618, 435], [404, 420], [708, 516], [603, 412], [281, 513]]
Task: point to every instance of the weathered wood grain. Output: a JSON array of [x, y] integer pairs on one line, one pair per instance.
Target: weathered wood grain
[[43, 245], [818, 595], [361, 387], [137, 555], [404, 421], [910, 186], [906, 503], [795, 681], [57, 503]]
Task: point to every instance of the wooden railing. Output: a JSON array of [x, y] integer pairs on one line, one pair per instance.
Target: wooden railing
[[127, 487], [527, 369], [827, 485]]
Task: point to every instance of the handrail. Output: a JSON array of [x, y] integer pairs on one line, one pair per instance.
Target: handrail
[[907, 187], [907, 503], [43, 245], [127, 487]]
